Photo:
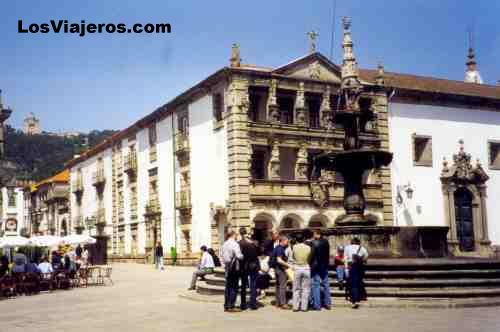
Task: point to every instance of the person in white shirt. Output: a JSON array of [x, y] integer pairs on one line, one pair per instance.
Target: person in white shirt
[[206, 267], [45, 266], [356, 257]]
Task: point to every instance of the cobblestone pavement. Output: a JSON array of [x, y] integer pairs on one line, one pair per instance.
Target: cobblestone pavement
[[146, 300]]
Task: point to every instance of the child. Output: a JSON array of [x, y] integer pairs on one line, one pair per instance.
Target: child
[[340, 267]]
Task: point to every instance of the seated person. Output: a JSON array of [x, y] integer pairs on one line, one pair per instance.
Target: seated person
[[20, 261], [4, 266], [45, 266], [32, 268], [206, 267]]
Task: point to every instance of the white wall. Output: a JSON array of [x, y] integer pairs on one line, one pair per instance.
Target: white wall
[[209, 169], [446, 126]]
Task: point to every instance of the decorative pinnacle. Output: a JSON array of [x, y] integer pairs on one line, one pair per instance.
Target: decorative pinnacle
[[235, 59], [461, 143], [380, 74], [346, 22]]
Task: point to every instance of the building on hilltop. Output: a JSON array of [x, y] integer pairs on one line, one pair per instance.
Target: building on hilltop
[[236, 150], [32, 125]]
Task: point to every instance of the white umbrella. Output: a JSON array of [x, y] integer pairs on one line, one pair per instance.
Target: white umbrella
[[78, 239], [14, 241], [46, 240]]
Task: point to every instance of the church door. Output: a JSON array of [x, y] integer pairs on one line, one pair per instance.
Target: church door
[[464, 219]]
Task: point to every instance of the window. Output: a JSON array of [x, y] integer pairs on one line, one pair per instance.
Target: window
[[286, 105], [313, 105], [259, 162], [152, 134], [422, 150], [12, 199], [288, 159], [494, 154], [258, 99], [183, 122], [218, 106]]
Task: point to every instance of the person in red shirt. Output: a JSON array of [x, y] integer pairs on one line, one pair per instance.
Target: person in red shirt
[[340, 267]]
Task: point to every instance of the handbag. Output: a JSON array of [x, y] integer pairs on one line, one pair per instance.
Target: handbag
[[357, 258]]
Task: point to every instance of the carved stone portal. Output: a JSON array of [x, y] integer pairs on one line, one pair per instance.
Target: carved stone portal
[[464, 190]]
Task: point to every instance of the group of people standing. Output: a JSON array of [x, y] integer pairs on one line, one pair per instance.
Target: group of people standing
[[304, 261]]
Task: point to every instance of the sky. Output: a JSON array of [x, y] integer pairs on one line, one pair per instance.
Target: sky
[[108, 81]]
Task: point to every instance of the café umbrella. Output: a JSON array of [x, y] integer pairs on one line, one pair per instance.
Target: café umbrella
[[46, 240], [78, 239], [13, 241]]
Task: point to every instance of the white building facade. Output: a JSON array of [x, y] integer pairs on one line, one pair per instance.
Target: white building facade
[[12, 214]]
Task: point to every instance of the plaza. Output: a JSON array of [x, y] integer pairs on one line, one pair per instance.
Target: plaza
[[143, 299]]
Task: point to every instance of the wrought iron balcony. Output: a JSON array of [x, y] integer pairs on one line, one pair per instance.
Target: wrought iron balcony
[[98, 178], [181, 143], [56, 194], [183, 200], [130, 163]]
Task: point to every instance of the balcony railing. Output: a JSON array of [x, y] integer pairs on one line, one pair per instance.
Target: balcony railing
[[152, 208], [181, 143], [183, 200], [98, 178], [57, 194], [130, 163]]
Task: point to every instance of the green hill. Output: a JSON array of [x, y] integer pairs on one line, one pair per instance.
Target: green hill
[[43, 155]]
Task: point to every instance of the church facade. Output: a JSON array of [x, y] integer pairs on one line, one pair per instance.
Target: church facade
[[237, 149]]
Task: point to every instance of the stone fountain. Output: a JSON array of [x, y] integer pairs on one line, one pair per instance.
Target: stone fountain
[[353, 163]]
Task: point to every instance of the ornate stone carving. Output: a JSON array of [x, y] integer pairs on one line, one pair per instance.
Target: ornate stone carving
[[238, 93], [300, 108], [273, 113], [235, 59], [319, 193], [462, 171], [380, 78], [325, 110], [274, 162], [315, 71], [301, 164], [312, 40]]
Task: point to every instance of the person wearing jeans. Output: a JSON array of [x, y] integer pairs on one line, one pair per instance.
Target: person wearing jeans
[[231, 253], [206, 267], [302, 274], [159, 256], [250, 270], [320, 259]]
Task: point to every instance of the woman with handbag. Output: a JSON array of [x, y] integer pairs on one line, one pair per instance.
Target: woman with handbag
[[356, 257]]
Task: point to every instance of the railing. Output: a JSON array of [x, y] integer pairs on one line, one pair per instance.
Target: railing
[[183, 200], [181, 143], [98, 178], [130, 163], [55, 194]]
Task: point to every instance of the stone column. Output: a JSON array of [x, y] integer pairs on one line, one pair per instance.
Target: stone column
[[484, 214], [301, 164], [238, 151], [381, 108], [326, 110], [273, 168], [300, 107], [273, 112]]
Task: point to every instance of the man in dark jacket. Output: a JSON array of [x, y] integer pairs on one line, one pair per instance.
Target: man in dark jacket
[[320, 259], [271, 243], [249, 271], [159, 256]]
